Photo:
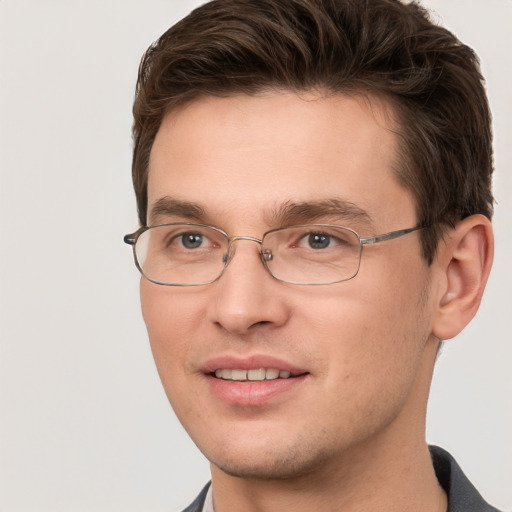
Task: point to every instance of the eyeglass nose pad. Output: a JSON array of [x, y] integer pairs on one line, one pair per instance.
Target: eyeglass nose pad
[[266, 255], [230, 252]]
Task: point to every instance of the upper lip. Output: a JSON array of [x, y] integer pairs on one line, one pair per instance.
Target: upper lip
[[248, 363]]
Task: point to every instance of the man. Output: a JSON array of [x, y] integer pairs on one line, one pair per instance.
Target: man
[[313, 181]]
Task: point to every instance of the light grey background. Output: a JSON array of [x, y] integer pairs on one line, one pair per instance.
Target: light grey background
[[84, 423]]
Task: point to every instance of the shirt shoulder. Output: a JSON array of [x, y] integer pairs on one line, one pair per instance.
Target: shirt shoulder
[[198, 503], [462, 495]]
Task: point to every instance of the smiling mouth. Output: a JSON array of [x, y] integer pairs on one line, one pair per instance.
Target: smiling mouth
[[256, 374]]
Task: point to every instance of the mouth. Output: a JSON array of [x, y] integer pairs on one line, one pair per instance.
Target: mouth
[[254, 380], [253, 375]]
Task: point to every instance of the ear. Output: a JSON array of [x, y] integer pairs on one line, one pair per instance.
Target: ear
[[463, 263]]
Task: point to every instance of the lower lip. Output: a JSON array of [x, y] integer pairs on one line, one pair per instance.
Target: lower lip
[[252, 392]]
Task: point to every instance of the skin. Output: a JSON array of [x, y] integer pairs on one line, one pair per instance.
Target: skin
[[349, 435]]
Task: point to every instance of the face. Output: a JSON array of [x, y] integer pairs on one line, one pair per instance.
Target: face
[[356, 350]]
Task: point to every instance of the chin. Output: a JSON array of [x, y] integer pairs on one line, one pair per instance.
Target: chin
[[266, 470], [286, 461]]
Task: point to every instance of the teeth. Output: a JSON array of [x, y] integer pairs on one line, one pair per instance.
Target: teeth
[[256, 374], [271, 374], [238, 374], [223, 374]]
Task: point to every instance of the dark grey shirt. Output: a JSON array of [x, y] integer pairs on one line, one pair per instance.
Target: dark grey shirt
[[462, 496]]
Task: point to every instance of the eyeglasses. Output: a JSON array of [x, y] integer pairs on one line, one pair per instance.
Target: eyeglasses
[[187, 254]]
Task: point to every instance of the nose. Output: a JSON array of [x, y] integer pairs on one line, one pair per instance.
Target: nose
[[247, 298]]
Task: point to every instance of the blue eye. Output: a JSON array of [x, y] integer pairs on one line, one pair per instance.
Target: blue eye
[[321, 240], [191, 240], [318, 240]]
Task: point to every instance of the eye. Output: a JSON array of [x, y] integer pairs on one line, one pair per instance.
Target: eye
[[191, 240], [318, 241], [184, 241]]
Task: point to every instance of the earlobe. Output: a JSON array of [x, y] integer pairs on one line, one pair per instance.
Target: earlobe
[[464, 261]]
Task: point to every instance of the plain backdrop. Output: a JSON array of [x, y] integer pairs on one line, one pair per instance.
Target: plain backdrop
[[84, 423]]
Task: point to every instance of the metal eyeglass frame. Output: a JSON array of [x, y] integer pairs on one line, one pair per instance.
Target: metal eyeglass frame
[[131, 239]]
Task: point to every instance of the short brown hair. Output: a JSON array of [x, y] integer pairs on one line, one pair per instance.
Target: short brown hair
[[385, 47]]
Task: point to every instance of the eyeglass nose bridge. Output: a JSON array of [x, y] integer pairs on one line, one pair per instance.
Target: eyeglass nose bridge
[[251, 238], [265, 255]]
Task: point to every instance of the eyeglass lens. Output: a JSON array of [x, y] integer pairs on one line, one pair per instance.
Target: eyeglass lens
[[184, 254]]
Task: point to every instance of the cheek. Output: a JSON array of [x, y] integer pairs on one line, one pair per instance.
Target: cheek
[[171, 321], [370, 329]]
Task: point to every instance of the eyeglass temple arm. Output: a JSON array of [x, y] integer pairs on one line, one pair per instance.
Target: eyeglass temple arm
[[129, 239], [390, 236]]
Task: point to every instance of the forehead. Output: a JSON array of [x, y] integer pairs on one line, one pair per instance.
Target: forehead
[[256, 153]]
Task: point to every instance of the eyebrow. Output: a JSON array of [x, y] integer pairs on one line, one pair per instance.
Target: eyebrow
[[293, 213], [288, 214], [169, 207]]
